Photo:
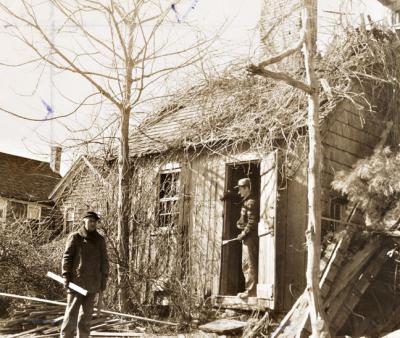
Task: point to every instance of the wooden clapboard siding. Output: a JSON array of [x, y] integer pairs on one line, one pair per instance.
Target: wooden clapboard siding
[[348, 139]]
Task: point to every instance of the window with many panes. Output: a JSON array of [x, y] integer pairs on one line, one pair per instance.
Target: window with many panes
[[3, 209], [33, 212], [168, 205]]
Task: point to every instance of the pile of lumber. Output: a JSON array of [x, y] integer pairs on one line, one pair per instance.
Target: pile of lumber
[[33, 319], [36, 317]]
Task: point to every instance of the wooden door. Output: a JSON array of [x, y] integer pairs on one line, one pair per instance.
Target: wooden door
[[266, 287]]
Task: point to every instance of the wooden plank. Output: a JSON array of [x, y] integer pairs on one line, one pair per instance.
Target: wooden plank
[[293, 322], [266, 287], [218, 219], [196, 235], [223, 326], [71, 286], [213, 224], [280, 241], [205, 223], [28, 332], [116, 334], [250, 303]]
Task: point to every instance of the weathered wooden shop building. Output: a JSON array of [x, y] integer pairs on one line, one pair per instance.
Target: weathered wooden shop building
[[189, 154]]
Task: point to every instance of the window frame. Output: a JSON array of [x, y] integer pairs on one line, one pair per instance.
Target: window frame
[[169, 169]]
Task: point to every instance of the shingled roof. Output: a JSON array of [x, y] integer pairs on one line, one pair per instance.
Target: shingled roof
[[26, 179], [235, 107]]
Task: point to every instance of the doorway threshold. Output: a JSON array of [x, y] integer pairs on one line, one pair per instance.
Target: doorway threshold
[[234, 302]]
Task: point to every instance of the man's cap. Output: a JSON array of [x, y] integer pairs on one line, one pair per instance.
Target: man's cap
[[91, 214], [244, 182]]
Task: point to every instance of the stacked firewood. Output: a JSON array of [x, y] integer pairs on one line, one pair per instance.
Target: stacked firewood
[[33, 319]]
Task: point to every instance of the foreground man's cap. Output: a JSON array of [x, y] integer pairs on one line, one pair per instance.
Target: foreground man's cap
[[91, 214]]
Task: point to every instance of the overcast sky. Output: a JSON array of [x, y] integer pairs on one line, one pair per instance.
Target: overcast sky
[[20, 92]]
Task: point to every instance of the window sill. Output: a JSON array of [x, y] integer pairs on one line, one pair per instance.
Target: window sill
[[163, 231]]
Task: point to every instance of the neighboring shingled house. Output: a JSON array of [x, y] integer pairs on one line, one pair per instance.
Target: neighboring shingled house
[[85, 186], [25, 185]]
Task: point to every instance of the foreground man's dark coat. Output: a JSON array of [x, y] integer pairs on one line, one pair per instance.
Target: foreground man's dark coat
[[85, 260], [84, 263]]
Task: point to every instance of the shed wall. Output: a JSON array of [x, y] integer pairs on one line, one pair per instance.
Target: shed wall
[[349, 138]]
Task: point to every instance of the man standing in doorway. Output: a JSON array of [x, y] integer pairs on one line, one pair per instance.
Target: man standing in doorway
[[248, 223], [84, 263]]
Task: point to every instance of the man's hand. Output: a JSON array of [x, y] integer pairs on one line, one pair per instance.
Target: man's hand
[[66, 282], [240, 237]]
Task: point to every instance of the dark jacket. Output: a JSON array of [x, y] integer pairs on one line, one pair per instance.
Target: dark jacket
[[85, 260], [248, 221]]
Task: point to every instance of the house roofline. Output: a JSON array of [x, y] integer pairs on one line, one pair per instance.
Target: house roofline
[[65, 178], [71, 173]]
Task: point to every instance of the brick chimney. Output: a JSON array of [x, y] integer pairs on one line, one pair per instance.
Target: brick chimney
[[55, 159], [280, 25]]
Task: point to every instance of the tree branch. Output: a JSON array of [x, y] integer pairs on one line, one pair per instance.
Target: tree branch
[[257, 70], [286, 53]]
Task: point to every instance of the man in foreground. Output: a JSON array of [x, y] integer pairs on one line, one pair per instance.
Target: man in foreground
[[84, 263]]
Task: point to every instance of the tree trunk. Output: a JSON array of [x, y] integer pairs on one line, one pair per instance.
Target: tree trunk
[[123, 211], [313, 233]]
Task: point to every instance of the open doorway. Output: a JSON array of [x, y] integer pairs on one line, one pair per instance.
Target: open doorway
[[231, 278]]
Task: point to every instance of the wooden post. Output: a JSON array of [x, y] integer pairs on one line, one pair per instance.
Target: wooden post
[[313, 233], [307, 41]]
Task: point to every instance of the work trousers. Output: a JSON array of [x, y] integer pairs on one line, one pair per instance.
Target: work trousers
[[78, 304], [250, 264]]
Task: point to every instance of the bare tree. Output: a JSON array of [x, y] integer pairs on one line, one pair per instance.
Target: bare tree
[[120, 62], [307, 44]]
